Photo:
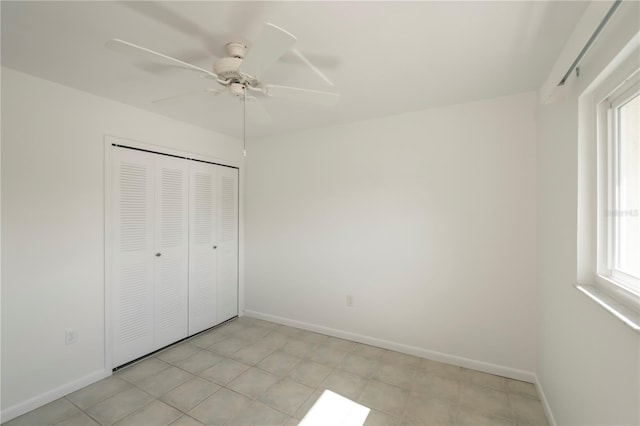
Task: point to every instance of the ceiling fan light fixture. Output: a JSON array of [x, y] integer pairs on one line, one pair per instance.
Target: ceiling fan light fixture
[[238, 90]]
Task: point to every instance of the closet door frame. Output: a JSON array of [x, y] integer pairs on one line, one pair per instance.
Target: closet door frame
[[109, 142]]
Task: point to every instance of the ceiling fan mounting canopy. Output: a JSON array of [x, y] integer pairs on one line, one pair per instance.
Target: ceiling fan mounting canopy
[[236, 50]]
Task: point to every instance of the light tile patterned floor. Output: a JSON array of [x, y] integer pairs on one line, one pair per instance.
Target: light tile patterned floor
[[251, 372]]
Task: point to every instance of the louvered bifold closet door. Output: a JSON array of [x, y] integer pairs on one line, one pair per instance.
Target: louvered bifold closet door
[[227, 243], [203, 219], [172, 250], [133, 260]]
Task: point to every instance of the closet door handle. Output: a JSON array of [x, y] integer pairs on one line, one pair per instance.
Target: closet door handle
[[215, 247], [158, 254]]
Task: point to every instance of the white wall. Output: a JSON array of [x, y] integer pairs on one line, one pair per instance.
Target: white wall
[[426, 218], [52, 228], [588, 361]]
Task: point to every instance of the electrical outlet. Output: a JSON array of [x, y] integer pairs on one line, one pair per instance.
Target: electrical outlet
[[349, 300], [70, 337]]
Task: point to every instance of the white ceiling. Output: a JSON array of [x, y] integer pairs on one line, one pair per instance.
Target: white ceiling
[[384, 57]]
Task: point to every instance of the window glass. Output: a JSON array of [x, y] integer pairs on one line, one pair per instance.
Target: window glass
[[627, 246]]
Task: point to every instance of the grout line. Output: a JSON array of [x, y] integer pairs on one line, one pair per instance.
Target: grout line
[[459, 402], [513, 417]]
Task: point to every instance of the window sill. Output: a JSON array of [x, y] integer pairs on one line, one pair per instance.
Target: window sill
[[625, 314]]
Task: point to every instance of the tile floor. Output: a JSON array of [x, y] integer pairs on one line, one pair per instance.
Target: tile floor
[[251, 372]]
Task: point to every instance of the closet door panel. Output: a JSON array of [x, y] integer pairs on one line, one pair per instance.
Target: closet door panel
[[133, 261], [171, 250], [203, 218], [227, 244]]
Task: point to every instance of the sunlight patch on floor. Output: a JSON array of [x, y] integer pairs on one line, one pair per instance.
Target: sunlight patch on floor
[[332, 409]]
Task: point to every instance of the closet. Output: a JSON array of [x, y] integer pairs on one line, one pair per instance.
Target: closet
[[175, 249]]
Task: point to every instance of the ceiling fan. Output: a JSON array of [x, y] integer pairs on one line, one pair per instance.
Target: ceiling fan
[[240, 73]]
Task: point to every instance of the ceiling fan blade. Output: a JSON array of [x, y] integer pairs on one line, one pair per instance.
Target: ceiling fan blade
[[256, 111], [139, 51], [271, 44], [313, 67], [245, 15], [190, 95], [164, 13], [304, 95]]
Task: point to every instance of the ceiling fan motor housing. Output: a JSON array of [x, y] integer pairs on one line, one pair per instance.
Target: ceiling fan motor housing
[[227, 68]]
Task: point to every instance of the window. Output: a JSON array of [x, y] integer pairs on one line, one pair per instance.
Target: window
[[609, 189], [619, 187]]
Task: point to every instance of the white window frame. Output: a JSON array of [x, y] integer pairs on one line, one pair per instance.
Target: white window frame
[[607, 276], [594, 275]]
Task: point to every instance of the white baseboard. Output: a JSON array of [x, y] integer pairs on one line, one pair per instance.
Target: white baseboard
[[49, 396], [545, 403], [513, 373]]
